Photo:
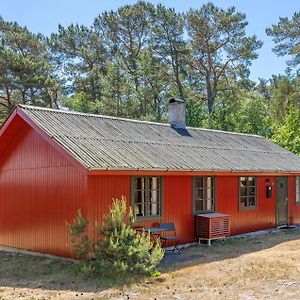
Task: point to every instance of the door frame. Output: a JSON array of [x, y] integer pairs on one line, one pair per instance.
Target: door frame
[[287, 195]]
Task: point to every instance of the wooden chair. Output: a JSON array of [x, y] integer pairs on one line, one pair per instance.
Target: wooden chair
[[164, 239]]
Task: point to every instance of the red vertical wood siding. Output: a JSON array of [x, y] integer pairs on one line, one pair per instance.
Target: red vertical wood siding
[[294, 209], [39, 190], [177, 203], [262, 217], [101, 191], [178, 206]]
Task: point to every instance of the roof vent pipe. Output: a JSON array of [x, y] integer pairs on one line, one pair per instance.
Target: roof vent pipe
[[176, 110]]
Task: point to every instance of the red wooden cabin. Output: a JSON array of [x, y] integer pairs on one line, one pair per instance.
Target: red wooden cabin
[[54, 162]]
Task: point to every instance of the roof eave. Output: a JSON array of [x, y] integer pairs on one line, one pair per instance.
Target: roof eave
[[164, 171]]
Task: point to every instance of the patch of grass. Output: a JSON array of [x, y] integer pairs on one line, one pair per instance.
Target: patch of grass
[[104, 280], [56, 274], [231, 263], [56, 264], [291, 232]]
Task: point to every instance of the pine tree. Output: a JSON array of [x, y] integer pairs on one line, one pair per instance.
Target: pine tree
[[121, 247]]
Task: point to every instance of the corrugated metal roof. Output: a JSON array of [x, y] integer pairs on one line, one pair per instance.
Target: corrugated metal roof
[[102, 142]]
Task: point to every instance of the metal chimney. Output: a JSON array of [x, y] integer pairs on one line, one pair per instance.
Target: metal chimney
[[176, 109]]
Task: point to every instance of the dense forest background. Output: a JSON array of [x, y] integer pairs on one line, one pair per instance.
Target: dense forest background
[[131, 61]]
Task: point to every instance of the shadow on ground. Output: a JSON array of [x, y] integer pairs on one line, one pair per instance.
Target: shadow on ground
[[53, 274], [226, 249], [25, 271]]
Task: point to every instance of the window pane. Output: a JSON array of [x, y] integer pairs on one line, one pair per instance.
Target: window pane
[[153, 196], [247, 192], [146, 198], [208, 182], [209, 193], [243, 191], [251, 191], [251, 201], [243, 202], [154, 209], [209, 204], [203, 194], [139, 209], [198, 194], [198, 182], [153, 203], [139, 197], [199, 205], [139, 183], [153, 183]]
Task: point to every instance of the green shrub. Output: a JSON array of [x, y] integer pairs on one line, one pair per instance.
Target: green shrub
[[120, 248], [79, 238]]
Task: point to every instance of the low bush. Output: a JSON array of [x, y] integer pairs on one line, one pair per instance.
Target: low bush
[[79, 238]]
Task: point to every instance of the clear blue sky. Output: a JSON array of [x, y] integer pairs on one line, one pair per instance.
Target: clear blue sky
[[44, 16]]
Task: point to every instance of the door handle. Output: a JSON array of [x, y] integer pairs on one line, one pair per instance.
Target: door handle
[[286, 200]]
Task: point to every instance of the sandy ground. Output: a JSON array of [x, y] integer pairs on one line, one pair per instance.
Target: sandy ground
[[261, 267]]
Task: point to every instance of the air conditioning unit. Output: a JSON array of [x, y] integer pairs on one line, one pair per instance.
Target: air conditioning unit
[[211, 226]]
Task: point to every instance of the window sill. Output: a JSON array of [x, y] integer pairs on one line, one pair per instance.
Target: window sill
[[247, 208], [196, 212], [148, 218]]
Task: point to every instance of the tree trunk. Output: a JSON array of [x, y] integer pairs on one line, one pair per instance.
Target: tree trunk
[[178, 82], [210, 96], [180, 88], [23, 93]]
